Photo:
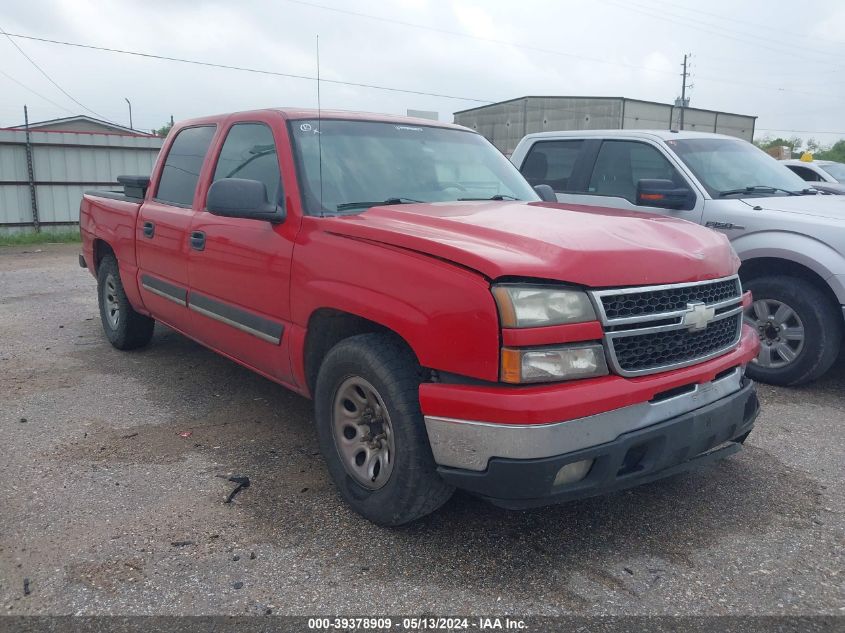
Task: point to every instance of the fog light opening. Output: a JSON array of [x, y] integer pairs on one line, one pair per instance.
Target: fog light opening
[[574, 472]]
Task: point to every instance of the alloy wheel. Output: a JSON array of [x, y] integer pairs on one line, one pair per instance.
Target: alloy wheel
[[781, 332]]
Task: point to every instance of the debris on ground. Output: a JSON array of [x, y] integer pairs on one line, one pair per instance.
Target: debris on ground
[[237, 585], [252, 556], [26, 591], [22, 420], [181, 543], [186, 434], [128, 436], [242, 481]]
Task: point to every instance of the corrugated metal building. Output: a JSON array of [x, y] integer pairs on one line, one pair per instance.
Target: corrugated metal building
[[64, 164], [506, 122]]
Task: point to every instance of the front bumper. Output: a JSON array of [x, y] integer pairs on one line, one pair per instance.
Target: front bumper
[[684, 441]]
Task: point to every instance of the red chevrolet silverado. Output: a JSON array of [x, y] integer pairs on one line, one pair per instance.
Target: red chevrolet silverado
[[453, 328]]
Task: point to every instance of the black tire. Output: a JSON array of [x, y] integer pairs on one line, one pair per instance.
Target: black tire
[[125, 328], [413, 488], [822, 322]]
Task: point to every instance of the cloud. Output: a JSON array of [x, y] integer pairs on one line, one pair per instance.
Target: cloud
[[642, 57]]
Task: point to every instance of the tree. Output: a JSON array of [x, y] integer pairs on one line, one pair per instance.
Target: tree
[[834, 152], [767, 142], [164, 130]]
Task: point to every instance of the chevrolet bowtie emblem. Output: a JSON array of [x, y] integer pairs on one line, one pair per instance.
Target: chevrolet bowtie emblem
[[698, 316]]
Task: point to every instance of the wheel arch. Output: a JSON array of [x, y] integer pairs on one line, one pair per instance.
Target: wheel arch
[[101, 249], [785, 252], [329, 326], [778, 266]]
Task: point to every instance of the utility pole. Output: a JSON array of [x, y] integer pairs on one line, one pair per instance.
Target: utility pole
[[31, 173], [130, 112], [684, 87]]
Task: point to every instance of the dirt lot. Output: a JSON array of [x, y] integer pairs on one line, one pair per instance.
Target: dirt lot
[[107, 509]]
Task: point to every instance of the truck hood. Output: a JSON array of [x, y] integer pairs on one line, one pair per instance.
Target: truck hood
[[590, 246], [819, 206]]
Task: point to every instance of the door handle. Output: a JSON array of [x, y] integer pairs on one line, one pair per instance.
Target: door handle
[[149, 229], [198, 240]]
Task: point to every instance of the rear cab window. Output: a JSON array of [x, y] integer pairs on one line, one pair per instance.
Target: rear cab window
[[180, 174]]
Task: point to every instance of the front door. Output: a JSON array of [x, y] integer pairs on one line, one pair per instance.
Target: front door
[[240, 268], [606, 175]]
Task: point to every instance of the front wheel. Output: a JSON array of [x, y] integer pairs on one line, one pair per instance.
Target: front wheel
[[800, 330], [371, 431]]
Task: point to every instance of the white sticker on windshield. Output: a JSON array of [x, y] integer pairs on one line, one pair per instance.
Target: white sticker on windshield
[[305, 127], [408, 128]]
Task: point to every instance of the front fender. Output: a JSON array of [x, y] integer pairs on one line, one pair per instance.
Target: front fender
[[799, 248], [444, 312]]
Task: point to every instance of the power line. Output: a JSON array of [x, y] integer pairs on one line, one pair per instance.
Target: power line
[[537, 48], [715, 29], [244, 68], [723, 17], [49, 78], [779, 129], [491, 40], [37, 94]]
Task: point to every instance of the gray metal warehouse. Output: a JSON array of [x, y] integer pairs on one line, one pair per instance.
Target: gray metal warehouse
[[506, 122], [44, 172]]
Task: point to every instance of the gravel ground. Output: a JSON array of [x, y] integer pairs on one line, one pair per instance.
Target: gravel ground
[[107, 509]]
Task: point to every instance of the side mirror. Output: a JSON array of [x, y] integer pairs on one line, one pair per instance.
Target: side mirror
[[654, 192], [546, 193], [241, 198]]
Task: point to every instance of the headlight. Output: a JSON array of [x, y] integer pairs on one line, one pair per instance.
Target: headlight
[[536, 306], [550, 364]]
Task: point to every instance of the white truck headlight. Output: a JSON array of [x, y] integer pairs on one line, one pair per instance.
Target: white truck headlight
[[524, 305], [552, 364]]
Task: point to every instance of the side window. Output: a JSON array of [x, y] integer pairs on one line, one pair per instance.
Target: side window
[[182, 167], [807, 174], [249, 152], [621, 164], [551, 163]]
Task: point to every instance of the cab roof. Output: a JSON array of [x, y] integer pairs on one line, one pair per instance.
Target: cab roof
[[664, 135], [312, 113]]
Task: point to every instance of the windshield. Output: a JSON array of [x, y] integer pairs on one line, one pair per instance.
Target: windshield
[[724, 165], [366, 162], [837, 170]]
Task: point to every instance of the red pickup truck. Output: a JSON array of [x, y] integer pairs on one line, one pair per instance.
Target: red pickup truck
[[453, 329]]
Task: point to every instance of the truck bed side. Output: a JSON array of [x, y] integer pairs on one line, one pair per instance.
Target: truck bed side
[[107, 224]]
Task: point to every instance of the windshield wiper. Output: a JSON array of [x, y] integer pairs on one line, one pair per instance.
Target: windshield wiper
[[498, 196], [360, 205], [758, 189]]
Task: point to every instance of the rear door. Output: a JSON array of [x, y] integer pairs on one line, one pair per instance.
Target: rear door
[[163, 226], [240, 268]]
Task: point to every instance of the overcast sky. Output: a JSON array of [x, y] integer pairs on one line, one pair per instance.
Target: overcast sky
[[782, 61]]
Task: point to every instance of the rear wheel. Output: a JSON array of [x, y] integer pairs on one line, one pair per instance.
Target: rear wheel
[[371, 431], [124, 327], [800, 330]]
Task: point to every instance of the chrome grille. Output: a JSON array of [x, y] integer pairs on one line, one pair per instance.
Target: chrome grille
[[633, 304], [643, 352], [657, 328]]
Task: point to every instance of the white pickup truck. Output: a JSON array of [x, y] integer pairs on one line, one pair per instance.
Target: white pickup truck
[[791, 240]]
